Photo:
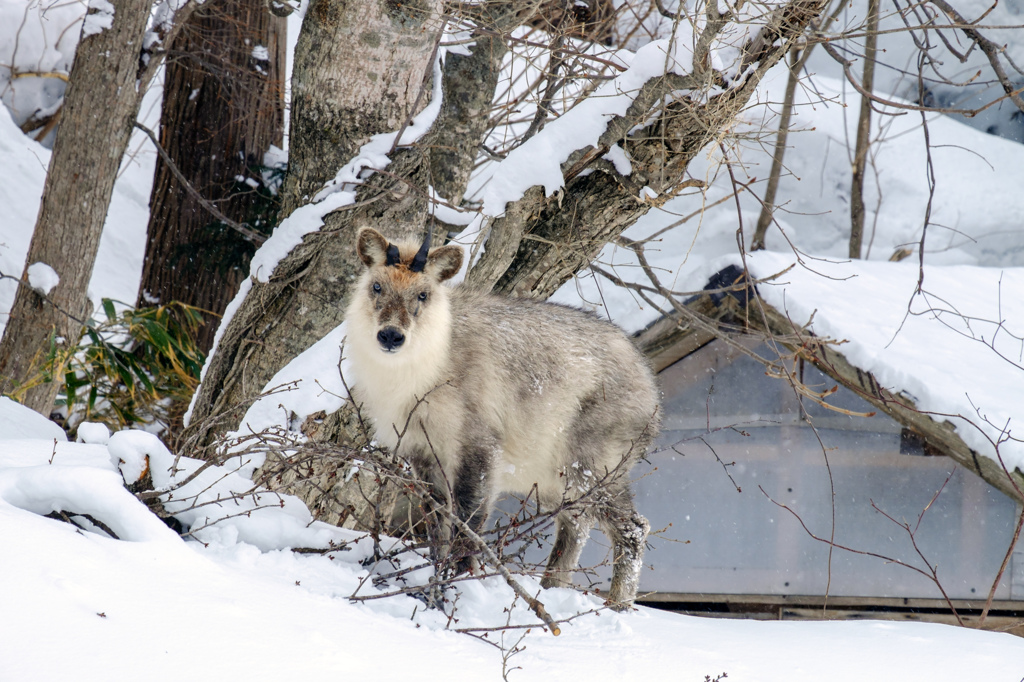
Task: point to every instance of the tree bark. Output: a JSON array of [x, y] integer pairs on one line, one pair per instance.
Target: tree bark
[[359, 69], [860, 156], [100, 107], [222, 110], [443, 159]]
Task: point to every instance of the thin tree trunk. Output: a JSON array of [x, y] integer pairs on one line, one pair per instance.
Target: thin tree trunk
[[222, 110], [857, 210], [100, 107], [796, 67], [764, 220]]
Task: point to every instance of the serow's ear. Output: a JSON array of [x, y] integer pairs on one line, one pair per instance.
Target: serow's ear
[[371, 247], [444, 262]]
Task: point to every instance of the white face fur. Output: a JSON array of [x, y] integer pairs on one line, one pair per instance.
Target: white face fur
[[400, 307]]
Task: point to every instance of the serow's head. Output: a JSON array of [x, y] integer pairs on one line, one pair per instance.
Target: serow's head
[[401, 289]]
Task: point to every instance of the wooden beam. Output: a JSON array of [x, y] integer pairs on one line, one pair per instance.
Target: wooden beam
[[670, 339], [807, 601], [1006, 616]]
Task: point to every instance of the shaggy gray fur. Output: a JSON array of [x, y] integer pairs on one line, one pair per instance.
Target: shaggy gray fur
[[485, 394]]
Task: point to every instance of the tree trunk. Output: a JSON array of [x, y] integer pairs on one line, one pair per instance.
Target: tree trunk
[[100, 107], [764, 220], [799, 58], [359, 69], [222, 110], [860, 156], [444, 158], [306, 294]]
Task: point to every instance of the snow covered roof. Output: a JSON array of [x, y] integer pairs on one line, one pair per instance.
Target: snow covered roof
[[952, 352], [956, 349]]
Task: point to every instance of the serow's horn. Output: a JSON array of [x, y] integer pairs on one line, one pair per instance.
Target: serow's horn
[[392, 255], [419, 261]]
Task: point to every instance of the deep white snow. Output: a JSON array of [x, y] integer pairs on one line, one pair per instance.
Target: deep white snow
[[240, 605]]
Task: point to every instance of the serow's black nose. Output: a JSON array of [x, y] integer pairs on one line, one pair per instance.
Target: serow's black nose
[[390, 338]]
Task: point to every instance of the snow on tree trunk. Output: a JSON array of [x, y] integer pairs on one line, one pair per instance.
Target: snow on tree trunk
[[359, 69], [100, 107], [305, 296]]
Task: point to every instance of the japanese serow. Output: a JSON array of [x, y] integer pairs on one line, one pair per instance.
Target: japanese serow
[[485, 394]]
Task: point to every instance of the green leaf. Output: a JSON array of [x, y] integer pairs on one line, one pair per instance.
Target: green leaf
[[158, 335], [108, 308], [142, 377]]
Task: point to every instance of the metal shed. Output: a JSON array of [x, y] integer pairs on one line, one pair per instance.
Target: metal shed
[[737, 444]]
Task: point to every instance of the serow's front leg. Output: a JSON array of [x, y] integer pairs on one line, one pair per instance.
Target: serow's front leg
[[472, 504]]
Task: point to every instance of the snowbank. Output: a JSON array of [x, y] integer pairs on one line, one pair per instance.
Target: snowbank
[[18, 421], [172, 610]]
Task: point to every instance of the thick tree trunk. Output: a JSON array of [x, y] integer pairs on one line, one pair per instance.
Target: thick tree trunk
[[359, 69], [223, 107], [100, 107], [305, 297], [443, 160]]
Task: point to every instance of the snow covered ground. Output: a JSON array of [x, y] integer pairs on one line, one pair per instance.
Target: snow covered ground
[[80, 605], [240, 604]]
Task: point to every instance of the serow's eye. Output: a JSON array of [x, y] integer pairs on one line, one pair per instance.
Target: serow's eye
[[423, 296], [376, 287]]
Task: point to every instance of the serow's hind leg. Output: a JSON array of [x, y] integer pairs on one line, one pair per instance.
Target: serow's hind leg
[[573, 531], [627, 530]]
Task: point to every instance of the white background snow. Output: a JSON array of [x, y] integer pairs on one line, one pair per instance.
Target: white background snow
[[234, 601]]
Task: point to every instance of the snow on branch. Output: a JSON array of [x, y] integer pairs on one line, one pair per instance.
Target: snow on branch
[[83, 490], [708, 53], [678, 95], [166, 20]]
